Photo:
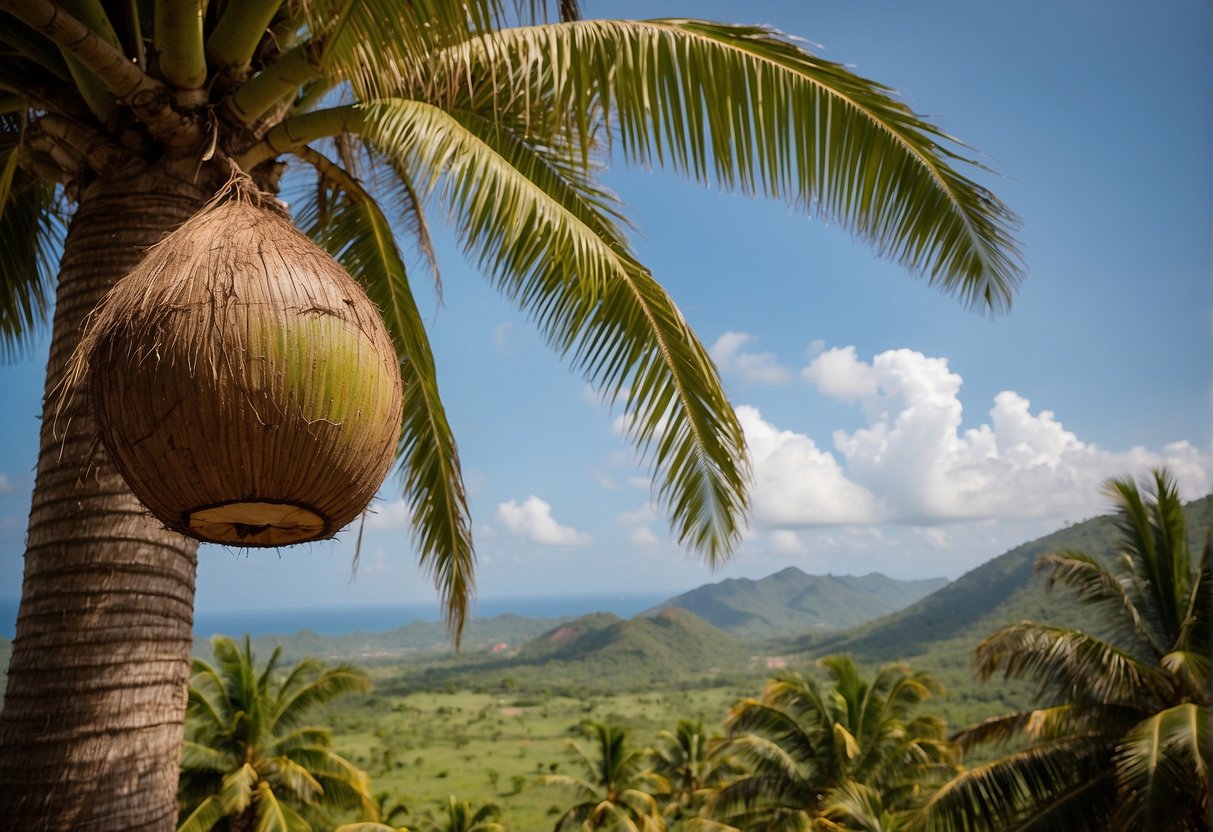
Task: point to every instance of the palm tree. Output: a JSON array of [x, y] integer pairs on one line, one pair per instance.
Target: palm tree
[[1123, 735], [119, 119], [617, 793], [683, 757], [462, 816], [249, 760], [457, 816], [818, 756]]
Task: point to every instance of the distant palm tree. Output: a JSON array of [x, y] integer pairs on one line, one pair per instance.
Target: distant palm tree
[[683, 757], [815, 756], [1123, 739], [249, 761], [618, 791], [456, 816], [461, 816]]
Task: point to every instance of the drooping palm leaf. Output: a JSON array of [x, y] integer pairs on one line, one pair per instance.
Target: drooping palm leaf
[[1062, 785], [31, 232], [593, 301], [1160, 764], [357, 233], [746, 107], [1067, 663]]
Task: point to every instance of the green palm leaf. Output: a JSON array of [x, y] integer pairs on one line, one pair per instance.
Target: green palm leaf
[[746, 107], [592, 300], [358, 234], [275, 816], [1060, 785], [1160, 762], [31, 231], [1070, 663]]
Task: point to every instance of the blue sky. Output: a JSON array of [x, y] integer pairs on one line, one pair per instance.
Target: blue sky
[[892, 429]]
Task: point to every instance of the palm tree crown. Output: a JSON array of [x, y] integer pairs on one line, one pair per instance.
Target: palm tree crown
[[813, 753], [617, 793], [1122, 738], [250, 760]]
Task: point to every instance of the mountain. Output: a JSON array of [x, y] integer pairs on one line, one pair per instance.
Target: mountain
[[598, 652], [995, 594], [672, 641], [791, 603]]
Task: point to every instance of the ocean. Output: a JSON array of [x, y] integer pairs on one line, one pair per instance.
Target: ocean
[[372, 618]]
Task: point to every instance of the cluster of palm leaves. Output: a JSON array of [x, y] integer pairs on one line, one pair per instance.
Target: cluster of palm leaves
[[853, 754], [1122, 738], [249, 759]]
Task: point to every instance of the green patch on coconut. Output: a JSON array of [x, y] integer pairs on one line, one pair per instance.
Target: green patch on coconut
[[242, 382]]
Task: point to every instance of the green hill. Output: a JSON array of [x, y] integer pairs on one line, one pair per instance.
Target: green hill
[[792, 603], [597, 652], [941, 632], [999, 592]]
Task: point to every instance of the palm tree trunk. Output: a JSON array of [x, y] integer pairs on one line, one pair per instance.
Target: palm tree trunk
[[90, 734]]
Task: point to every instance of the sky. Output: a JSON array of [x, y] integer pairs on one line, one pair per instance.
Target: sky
[[891, 429]]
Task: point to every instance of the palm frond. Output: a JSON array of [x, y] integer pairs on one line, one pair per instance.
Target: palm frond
[[746, 107], [204, 817], [332, 683], [1066, 663], [380, 46], [1162, 769], [1058, 786], [1152, 533], [275, 816], [32, 230], [357, 233], [1095, 586], [558, 259]]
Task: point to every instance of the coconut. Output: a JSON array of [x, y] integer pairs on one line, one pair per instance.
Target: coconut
[[243, 383]]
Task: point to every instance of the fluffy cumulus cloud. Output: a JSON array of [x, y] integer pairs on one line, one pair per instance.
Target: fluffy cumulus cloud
[[730, 356], [533, 521], [912, 463]]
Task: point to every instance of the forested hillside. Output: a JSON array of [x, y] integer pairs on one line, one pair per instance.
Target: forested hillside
[[791, 603]]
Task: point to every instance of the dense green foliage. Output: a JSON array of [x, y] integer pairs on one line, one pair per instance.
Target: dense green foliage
[[616, 790], [1122, 735], [249, 759], [813, 752]]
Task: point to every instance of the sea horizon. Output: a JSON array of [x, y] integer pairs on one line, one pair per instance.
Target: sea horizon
[[370, 618]]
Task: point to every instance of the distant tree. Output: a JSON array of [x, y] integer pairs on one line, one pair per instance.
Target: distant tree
[[456, 816], [683, 757], [815, 757], [249, 761], [618, 790], [1123, 735], [462, 816]]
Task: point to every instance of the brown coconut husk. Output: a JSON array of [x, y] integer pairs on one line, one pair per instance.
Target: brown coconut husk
[[243, 383]]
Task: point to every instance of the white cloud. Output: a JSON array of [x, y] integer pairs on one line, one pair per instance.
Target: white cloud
[[759, 367], [389, 515], [797, 484], [533, 521], [912, 463], [839, 374]]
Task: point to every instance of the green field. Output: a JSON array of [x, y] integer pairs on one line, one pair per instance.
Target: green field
[[491, 747]]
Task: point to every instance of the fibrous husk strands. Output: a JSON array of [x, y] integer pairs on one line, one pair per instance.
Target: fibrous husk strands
[[243, 383]]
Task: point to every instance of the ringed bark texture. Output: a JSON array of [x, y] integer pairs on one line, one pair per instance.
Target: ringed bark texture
[[90, 734]]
